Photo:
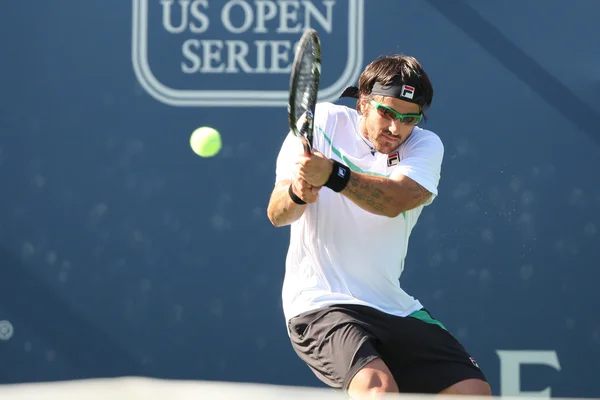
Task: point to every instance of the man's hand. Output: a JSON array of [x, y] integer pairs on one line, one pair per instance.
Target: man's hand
[[315, 169], [305, 191]]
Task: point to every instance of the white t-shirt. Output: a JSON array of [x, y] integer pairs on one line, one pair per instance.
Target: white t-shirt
[[338, 252]]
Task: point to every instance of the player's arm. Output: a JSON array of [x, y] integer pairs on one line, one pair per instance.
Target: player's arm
[[291, 194], [404, 190], [389, 197], [379, 195], [284, 207]]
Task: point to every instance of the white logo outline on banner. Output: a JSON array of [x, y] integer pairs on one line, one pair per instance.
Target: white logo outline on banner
[[239, 98]]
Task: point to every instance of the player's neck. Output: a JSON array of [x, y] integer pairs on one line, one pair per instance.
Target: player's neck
[[362, 135]]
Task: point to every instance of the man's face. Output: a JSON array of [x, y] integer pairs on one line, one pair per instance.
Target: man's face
[[380, 126]]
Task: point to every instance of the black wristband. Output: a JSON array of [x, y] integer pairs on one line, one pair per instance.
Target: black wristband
[[295, 198], [340, 175]]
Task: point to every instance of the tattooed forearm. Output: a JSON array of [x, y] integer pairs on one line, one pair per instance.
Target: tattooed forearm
[[366, 193], [418, 193], [383, 196]]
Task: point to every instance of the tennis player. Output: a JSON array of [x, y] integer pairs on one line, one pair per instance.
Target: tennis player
[[352, 205]]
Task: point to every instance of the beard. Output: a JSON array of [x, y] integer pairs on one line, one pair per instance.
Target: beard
[[384, 142]]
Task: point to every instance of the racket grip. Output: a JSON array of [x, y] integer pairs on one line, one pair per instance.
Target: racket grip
[[307, 146]]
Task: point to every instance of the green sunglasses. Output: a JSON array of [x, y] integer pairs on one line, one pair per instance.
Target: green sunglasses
[[390, 113]]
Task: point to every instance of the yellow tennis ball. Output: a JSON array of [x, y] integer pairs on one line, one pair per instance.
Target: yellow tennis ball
[[206, 141]]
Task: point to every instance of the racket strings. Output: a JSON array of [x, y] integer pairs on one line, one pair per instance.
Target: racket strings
[[305, 85]]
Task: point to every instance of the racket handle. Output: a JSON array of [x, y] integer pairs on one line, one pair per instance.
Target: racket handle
[[307, 146]]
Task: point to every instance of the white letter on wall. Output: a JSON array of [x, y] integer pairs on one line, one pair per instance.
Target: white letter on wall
[[510, 369]]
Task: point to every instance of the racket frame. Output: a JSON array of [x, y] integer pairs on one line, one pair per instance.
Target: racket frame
[[305, 132]]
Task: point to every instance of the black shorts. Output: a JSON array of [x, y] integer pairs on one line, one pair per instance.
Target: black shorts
[[338, 341]]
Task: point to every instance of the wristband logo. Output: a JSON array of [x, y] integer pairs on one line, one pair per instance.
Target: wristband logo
[[239, 53]]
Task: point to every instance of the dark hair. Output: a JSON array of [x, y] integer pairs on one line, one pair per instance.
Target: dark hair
[[385, 68]]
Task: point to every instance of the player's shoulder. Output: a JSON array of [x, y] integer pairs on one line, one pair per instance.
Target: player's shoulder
[[328, 110], [424, 137]]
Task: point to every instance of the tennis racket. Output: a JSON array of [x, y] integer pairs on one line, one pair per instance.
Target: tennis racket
[[304, 85]]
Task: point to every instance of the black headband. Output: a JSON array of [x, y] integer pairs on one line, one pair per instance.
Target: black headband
[[398, 89]]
